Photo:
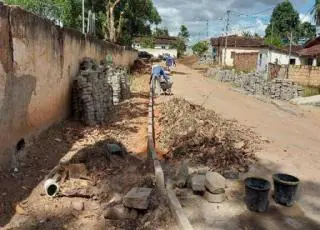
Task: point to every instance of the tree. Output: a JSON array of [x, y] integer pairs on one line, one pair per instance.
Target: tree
[[284, 20], [66, 11], [316, 11], [274, 41], [307, 30], [147, 42], [158, 32], [116, 20], [183, 38], [184, 33], [246, 34], [256, 35], [200, 48]]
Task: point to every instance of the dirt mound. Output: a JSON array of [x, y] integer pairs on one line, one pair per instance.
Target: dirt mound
[[190, 131], [189, 60], [141, 67]]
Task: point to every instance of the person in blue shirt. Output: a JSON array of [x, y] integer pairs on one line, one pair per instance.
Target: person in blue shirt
[[170, 62], [158, 75]]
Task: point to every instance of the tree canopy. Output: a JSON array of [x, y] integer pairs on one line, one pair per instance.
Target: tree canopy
[[316, 11], [284, 19], [160, 32], [184, 33], [181, 41], [200, 48], [306, 30], [135, 17]]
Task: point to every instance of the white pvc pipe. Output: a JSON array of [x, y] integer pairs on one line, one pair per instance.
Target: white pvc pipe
[[51, 187]]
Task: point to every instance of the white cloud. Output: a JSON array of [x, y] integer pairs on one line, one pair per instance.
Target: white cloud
[[194, 13], [306, 18]]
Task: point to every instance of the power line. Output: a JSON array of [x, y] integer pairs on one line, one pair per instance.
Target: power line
[[255, 13]]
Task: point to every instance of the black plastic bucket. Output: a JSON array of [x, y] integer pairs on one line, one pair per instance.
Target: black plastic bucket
[[257, 194], [285, 188]]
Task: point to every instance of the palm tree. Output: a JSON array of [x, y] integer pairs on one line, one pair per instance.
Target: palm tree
[[316, 12], [246, 34]]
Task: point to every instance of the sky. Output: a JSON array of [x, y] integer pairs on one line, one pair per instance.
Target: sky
[[246, 15]]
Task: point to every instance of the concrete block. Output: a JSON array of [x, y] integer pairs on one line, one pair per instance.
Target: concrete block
[[197, 183], [215, 182], [214, 198], [182, 175], [138, 198]]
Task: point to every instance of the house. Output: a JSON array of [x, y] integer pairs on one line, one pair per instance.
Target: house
[[310, 54], [280, 56], [236, 46], [162, 45]]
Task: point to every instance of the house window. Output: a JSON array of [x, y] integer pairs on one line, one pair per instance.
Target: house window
[[292, 61], [310, 61], [163, 47]]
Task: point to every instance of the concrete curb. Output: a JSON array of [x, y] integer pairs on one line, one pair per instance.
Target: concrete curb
[[166, 191]]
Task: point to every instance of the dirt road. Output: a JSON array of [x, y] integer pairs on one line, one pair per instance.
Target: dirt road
[[292, 132]]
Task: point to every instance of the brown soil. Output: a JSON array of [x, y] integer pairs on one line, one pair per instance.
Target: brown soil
[[24, 204]]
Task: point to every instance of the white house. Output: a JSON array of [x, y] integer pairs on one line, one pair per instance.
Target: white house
[[162, 45], [270, 54], [235, 45]]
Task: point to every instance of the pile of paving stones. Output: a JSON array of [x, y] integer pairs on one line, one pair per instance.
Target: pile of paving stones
[[210, 185], [254, 83], [97, 89]]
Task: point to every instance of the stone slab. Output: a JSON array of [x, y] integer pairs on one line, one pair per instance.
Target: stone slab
[[197, 183], [137, 198], [215, 182]]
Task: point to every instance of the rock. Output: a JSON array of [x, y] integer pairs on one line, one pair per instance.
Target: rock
[[118, 212], [232, 175], [313, 101], [198, 170], [138, 198], [115, 199], [182, 175], [78, 205], [197, 183], [239, 145], [215, 183], [215, 198]]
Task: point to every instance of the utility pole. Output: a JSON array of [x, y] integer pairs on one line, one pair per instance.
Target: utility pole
[[83, 27], [290, 50], [226, 41], [207, 28]]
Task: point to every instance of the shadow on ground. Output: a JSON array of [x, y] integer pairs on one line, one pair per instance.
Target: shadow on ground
[[50, 146]]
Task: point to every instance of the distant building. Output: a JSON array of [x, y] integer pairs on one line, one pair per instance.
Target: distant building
[[163, 45], [310, 54], [235, 45]]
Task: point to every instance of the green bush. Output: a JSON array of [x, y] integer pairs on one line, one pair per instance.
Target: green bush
[[309, 91]]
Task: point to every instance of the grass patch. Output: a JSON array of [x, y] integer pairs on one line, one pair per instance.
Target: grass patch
[[309, 91]]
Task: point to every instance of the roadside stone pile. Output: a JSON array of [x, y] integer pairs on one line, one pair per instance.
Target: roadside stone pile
[[97, 89], [210, 185], [255, 84], [205, 60]]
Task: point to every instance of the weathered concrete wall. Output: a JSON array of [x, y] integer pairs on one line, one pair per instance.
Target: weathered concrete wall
[[302, 74], [38, 61]]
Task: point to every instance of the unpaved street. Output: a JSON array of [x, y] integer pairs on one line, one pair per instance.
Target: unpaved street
[[291, 133]]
